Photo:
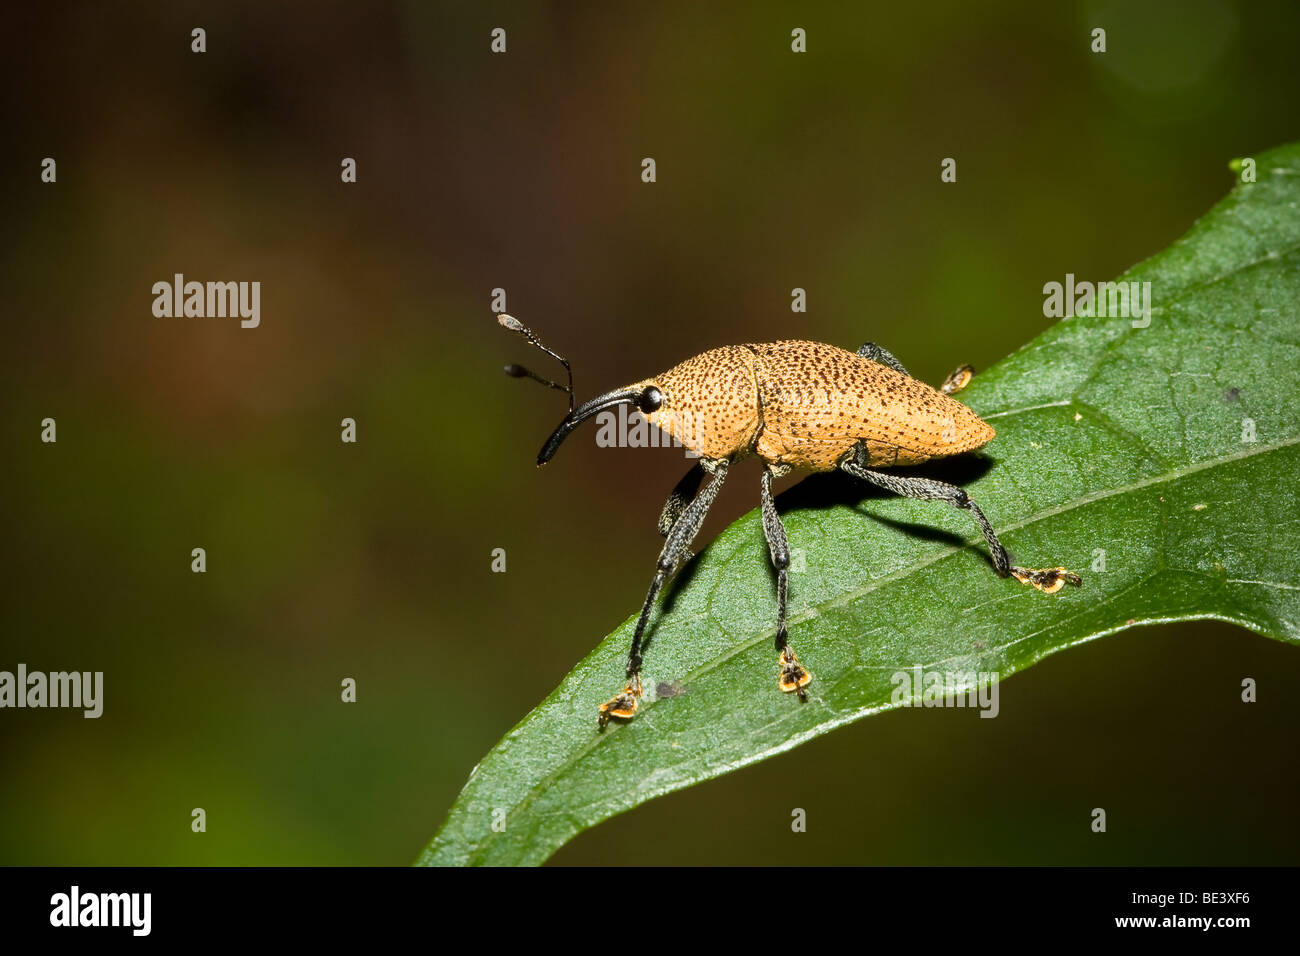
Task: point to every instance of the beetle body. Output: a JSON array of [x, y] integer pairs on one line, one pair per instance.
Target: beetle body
[[794, 405], [808, 405]]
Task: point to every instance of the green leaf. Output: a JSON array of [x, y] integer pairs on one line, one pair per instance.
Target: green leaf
[[1165, 455]]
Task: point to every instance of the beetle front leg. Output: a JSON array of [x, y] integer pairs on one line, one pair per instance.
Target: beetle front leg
[[793, 676], [682, 495], [1047, 580], [683, 531]]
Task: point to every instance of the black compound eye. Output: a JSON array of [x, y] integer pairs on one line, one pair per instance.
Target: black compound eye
[[650, 400]]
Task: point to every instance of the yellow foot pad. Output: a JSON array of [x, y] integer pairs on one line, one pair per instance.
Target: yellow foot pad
[[1049, 581], [794, 678], [622, 706], [958, 380]]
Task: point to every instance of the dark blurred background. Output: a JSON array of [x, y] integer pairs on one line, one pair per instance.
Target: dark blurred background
[[522, 171]]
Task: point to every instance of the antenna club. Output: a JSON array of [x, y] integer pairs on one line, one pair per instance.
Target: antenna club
[[510, 322]]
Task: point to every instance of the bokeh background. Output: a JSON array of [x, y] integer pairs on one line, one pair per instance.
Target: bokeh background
[[522, 171]]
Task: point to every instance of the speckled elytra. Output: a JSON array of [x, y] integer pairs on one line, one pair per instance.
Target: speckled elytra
[[795, 405]]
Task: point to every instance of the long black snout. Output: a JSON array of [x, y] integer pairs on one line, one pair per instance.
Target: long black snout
[[580, 414]]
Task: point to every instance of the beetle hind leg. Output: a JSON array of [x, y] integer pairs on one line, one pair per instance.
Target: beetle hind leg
[[793, 676], [1047, 580]]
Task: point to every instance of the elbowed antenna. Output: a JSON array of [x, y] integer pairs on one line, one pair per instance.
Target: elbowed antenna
[[576, 416], [519, 371]]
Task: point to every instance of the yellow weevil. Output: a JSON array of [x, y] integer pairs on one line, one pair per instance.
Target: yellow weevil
[[795, 405]]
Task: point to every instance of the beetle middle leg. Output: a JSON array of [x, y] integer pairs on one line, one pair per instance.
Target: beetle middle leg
[[794, 678], [676, 547], [1047, 580]]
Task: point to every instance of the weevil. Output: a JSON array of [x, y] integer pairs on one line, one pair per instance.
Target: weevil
[[796, 406]]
